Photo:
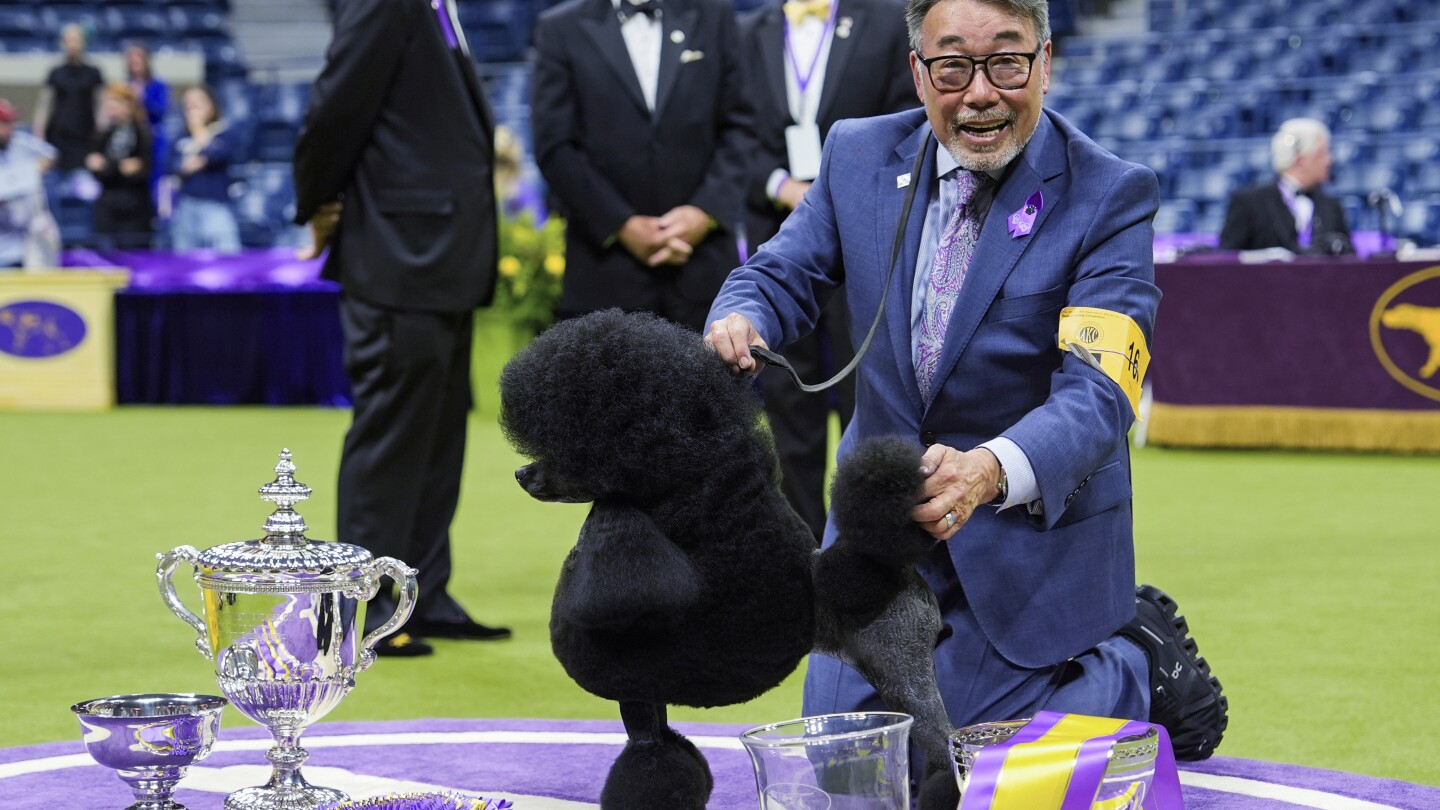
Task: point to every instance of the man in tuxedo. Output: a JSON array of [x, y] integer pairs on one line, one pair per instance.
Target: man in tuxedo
[[810, 64], [642, 132], [1290, 211], [1025, 230], [393, 169]]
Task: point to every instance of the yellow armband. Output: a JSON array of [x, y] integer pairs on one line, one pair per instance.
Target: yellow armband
[[1111, 342]]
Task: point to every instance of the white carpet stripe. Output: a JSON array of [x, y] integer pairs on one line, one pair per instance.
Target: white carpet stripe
[[1300, 797]]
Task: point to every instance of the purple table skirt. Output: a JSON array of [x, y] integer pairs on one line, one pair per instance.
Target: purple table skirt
[[260, 327]]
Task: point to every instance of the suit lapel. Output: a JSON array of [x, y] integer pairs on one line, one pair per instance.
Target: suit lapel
[[891, 200], [841, 48], [996, 252], [603, 28], [771, 32], [674, 40], [1283, 217]]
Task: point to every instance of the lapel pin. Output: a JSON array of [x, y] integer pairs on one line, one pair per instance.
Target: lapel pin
[[1022, 222], [677, 37], [691, 56], [842, 27], [901, 181]]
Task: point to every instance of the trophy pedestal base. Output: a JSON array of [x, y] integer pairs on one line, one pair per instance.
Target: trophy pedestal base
[[304, 797]]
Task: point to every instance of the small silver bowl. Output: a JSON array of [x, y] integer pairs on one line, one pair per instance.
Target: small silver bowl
[[150, 740]]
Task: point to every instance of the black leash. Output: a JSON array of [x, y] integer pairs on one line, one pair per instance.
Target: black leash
[[775, 359]]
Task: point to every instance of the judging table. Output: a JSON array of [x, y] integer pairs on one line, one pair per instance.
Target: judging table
[[260, 327], [1320, 353]]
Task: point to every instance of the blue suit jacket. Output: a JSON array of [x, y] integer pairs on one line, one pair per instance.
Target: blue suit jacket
[[1043, 587]]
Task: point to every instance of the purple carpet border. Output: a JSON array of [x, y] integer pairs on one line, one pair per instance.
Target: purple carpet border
[[576, 771]]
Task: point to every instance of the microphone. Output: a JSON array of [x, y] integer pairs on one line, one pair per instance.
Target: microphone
[[1387, 198], [1387, 204]]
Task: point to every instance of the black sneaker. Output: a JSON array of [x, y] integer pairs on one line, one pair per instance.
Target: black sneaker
[[1184, 697], [403, 645]]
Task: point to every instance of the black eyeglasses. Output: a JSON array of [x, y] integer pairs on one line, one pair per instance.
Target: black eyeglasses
[[951, 73]]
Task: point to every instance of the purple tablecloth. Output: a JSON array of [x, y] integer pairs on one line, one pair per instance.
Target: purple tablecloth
[[260, 327]]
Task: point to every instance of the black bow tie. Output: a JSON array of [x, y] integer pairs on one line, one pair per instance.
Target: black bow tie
[[629, 8]]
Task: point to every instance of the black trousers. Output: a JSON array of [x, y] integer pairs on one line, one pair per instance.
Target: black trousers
[[403, 455], [800, 421]]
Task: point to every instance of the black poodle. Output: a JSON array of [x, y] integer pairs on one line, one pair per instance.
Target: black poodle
[[693, 582]]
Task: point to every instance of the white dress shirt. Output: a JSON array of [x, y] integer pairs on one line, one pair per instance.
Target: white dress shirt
[[643, 35], [807, 43]]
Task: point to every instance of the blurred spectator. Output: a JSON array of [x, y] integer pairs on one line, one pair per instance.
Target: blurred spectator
[[65, 111], [200, 162], [515, 191], [154, 96], [1290, 211], [121, 162], [28, 234]]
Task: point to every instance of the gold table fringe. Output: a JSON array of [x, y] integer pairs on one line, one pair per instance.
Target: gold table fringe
[[1298, 428]]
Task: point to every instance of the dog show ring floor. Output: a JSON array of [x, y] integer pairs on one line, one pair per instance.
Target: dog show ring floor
[[561, 764]]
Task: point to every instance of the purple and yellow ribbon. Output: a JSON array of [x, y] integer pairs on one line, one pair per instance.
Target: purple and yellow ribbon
[[1058, 761]]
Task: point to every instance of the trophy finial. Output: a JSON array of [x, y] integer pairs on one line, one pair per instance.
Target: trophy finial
[[285, 526]]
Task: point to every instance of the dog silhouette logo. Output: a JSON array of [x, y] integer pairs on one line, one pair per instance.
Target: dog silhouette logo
[[1405, 331], [39, 329]]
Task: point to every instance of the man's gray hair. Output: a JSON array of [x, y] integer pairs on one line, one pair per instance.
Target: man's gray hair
[[1036, 11], [1296, 137]]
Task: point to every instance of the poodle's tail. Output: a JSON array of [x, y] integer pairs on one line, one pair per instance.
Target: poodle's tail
[[874, 490], [659, 769]]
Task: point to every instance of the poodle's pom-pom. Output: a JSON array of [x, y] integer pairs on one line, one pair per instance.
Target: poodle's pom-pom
[[875, 488], [938, 790], [852, 583], [669, 774]]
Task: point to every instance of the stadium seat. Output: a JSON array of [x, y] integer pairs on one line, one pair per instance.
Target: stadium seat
[[18, 22]]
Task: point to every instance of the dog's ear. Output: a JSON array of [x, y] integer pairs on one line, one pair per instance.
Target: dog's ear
[[625, 572]]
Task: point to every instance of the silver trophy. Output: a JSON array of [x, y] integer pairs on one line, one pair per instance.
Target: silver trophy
[[150, 740], [280, 619]]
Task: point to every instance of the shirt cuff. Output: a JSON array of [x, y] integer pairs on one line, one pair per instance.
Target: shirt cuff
[[1019, 475], [772, 186]]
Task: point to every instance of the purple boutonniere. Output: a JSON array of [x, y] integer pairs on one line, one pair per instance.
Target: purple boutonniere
[[1022, 222]]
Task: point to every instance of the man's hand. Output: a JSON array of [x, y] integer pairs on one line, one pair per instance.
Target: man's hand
[[322, 228], [95, 162], [731, 338], [640, 235], [131, 166], [685, 222], [791, 192], [955, 483]]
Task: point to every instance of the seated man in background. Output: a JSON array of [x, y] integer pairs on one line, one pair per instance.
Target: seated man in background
[[28, 234], [1290, 211]]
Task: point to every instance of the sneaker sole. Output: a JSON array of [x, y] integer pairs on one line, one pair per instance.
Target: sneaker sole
[[1211, 708]]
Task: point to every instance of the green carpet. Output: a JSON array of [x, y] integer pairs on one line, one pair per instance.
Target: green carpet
[[1307, 579]]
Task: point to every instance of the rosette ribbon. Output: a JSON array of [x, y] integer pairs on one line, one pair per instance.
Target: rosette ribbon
[[1058, 761]]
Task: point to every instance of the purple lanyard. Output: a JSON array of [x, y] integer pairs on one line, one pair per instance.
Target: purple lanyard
[[803, 81], [446, 26]]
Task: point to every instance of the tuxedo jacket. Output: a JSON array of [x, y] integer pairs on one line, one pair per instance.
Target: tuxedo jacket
[[400, 131], [607, 157], [1257, 217], [867, 73], [1043, 587]]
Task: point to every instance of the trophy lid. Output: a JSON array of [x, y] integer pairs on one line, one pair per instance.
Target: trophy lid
[[284, 560]]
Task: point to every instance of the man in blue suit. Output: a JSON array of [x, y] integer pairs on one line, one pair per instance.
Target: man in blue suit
[[1026, 229]]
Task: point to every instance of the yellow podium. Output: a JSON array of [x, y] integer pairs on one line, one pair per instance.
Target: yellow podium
[[57, 338]]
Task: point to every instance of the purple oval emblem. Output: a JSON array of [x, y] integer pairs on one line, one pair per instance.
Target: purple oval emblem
[[39, 329]]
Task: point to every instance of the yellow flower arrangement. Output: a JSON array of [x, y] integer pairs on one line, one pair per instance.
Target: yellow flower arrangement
[[532, 265]]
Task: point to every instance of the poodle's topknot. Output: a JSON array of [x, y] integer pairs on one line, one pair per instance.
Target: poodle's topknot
[[631, 423]]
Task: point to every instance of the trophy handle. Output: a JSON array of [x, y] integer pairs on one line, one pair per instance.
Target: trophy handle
[[405, 575], [165, 574]]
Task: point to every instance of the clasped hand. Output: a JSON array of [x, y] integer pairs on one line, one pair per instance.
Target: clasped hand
[[667, 239]]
